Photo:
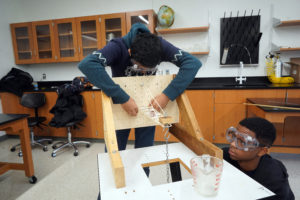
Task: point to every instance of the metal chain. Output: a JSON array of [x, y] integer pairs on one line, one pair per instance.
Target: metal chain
[[166, 137]]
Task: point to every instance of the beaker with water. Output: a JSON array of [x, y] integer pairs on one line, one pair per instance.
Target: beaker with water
[[207, 172]]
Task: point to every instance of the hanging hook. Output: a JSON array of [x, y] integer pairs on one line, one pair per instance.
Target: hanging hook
[[245, 13], [237, 14], [251, 12], [167, 133], [258, 12]]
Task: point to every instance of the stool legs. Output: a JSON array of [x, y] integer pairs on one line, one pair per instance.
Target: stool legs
[[33, 143], [68, 144]]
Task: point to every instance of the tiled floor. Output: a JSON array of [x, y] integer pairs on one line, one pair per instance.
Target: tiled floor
[[69, 177]]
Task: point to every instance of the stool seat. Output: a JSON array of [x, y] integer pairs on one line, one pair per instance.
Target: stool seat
[[34, 101], [32, 121], [71, 124]]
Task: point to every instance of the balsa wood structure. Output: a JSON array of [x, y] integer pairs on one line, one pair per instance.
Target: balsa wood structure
[[145, 88]]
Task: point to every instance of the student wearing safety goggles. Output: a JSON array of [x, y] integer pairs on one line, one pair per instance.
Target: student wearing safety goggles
[[248, 151]]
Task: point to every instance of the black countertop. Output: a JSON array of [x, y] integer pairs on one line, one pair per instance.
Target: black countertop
[[216, 83], [6, 118], [221, 83]]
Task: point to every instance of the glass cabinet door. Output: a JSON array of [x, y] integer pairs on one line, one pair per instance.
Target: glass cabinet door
[[112, 26], [66, 39], [146, 17], [88, 34], [43, 41], [22, 42]]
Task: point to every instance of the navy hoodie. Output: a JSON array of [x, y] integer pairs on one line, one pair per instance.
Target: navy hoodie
[[115, 54]]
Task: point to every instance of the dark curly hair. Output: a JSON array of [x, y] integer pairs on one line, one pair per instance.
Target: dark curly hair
[[146, 49], [264, 130]]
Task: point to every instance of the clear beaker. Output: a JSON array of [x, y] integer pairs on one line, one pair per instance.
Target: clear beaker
[[207, 172]]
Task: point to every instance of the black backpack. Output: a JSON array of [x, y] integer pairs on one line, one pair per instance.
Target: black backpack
[[16, 81]]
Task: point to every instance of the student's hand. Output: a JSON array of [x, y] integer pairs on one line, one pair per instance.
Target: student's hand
[[162, 100], [130, 107]]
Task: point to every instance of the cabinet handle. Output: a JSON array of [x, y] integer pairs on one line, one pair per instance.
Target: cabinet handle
[[99, 19], [78, 49]]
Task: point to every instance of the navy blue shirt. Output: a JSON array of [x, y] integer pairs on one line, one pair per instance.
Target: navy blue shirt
[[270, 172], [115, 54]]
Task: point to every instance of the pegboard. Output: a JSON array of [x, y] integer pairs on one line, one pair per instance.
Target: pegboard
[[142, 89], [240, 38]]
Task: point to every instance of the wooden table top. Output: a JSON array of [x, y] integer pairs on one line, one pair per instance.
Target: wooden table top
[[280, 102]]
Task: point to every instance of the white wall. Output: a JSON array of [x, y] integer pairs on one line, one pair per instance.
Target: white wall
[[188, 14]]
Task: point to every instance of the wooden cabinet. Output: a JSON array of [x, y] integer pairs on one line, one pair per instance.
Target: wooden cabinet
[[22, 40], [11, 103], [293, 93], [88, 31], [229, 108], [147, 17], [112, 26], [202, 102], [71, 39], [88, 130], [66, 40], [92, 124], [43, 40]]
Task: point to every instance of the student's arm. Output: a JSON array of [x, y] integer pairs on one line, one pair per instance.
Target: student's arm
[[188, 68], [92, 66]]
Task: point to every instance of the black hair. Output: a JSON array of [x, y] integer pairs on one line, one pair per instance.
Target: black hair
[[265, 131], [146, 49]]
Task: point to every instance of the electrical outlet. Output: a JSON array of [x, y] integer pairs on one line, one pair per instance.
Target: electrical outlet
[[44, 76]]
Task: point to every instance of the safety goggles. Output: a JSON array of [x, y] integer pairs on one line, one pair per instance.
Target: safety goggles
[[136, 70], [242, 141]]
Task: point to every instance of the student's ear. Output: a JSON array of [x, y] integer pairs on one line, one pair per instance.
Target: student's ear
[[129, 51], [263, 151]]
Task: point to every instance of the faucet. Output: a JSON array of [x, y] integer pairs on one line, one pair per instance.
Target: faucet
[[240, 79]]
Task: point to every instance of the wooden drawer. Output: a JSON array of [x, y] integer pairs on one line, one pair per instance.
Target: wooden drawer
[[293, 93], [240, 96]]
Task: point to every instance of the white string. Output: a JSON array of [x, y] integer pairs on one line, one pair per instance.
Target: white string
[[154, 115], [151, 112], [152, 97]]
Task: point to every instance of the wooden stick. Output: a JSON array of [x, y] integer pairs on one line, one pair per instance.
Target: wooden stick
[[270, 106]]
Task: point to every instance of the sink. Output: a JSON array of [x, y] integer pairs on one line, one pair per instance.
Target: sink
[[246, 85]]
